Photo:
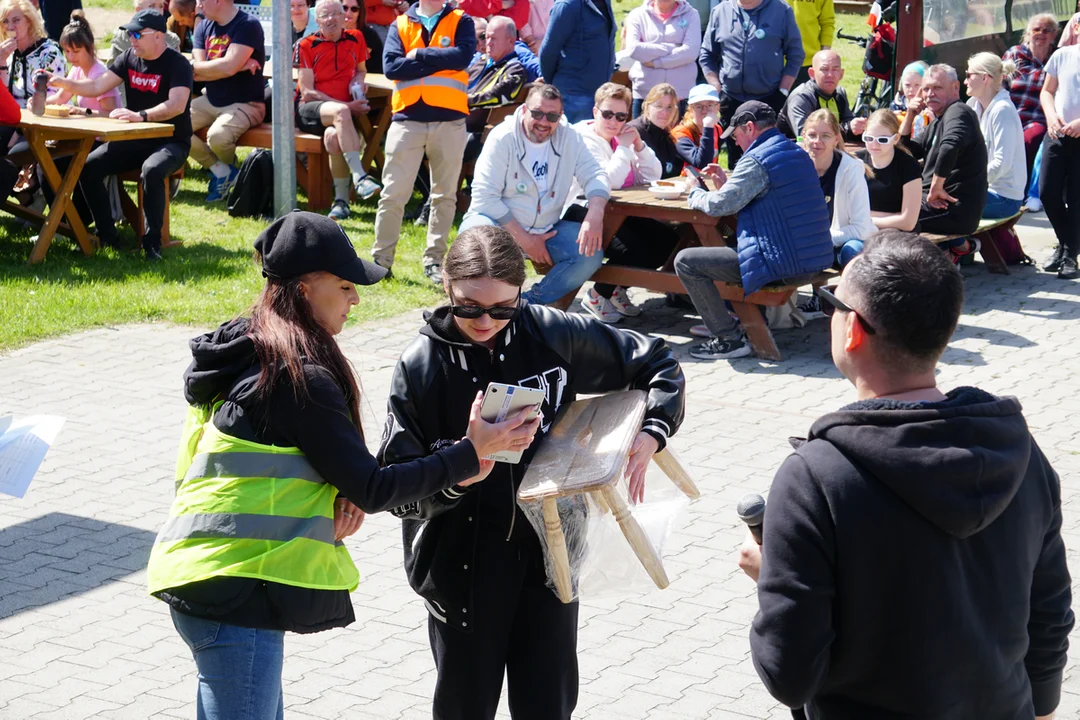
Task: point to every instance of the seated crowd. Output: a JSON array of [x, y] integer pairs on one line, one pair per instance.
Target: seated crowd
[[930, 163]]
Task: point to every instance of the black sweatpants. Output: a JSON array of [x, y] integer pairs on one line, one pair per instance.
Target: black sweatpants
[[957, 219], [156, 159], [518, 627], [640, 243], [1059, 189]]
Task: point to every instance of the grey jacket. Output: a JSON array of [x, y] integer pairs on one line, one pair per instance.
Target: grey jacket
[[503, 188], [751, 50]]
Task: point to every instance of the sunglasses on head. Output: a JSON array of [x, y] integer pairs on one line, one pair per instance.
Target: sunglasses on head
[[620, 116], [541, 115], [833, 303], [498, 312], [879, 139]]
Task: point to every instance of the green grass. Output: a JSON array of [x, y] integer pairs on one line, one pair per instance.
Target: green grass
[[108, 4], [209, 279]]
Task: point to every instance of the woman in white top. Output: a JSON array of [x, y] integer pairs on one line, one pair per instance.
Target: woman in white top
[[628, 161], [1059, 178], [843, 180], [1006, 170]]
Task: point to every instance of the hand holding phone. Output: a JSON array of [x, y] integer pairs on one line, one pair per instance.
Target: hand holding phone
[[693, 172], [517, 410]]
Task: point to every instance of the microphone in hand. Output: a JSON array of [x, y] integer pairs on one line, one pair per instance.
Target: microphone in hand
[[751, 509]]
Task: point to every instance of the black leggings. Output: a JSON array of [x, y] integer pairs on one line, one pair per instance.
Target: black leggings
[[156, 160], [1059, 189], [640, 243]]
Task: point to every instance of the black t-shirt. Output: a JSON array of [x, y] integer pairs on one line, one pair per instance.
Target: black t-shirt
[[887, 185], [244, 86], [828, 182], [147, 83]]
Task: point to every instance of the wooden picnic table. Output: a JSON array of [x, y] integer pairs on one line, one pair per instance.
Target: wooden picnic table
[[76, 135]]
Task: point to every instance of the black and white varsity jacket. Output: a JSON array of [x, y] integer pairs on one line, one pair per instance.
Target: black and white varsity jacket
[[434, 385]]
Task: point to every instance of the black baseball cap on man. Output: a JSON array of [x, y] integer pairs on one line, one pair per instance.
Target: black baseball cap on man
[[145, 20], [750, 111], [302, 242]]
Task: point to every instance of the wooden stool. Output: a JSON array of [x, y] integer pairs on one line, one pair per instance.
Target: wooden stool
[[134, 212], [586, 452]]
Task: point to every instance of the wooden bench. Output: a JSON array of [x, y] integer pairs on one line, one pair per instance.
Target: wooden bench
[[133, 211], [990, 251]]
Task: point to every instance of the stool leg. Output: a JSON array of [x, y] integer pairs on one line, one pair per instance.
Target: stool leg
[[644, 550], [672, 466], [556, 543]]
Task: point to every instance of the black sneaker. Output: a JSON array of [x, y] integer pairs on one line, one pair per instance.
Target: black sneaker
[[1054, 263], [153, 255], [1068, 268], [811, 309], [425, 214], [719, 349]]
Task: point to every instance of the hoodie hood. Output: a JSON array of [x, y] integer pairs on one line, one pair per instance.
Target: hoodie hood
[[218, 360], [958, 463]]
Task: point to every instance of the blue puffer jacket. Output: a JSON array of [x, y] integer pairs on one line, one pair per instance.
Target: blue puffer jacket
[[578, 52], [784, 232]]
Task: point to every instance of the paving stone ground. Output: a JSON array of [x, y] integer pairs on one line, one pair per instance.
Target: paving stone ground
[[80, 638]]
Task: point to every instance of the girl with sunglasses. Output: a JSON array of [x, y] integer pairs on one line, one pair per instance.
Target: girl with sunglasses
[[470, 553], [895, 181], [628, 161]]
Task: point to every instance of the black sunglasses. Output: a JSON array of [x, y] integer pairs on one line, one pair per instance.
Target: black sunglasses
[[498, 312], [833, 303], [540, 115], [482, 36], [351, 8], [620, 116]]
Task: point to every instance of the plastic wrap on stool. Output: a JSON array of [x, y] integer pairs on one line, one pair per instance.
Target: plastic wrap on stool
[[601, 561]]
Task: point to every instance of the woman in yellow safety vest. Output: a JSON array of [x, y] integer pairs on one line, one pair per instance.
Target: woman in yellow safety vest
[[273, 472]]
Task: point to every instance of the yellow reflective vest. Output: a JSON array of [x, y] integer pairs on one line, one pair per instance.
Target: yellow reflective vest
[[243, 509], [445, 88]]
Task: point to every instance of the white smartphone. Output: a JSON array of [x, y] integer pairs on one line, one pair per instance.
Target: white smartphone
[[502, 401]]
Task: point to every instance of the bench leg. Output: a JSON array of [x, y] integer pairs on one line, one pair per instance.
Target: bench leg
[[757, 332], [991, 255], [320, 187]]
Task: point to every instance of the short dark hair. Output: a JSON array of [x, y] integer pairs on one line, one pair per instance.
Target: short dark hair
[[912, 294], [485, 251], [545, 91]]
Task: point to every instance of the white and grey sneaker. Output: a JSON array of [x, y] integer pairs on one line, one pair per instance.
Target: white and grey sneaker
[[1033, 205], [721, 349], [601, 308], [811, 309], [434, 274], [620, 300], [339, 211], [365, 187]]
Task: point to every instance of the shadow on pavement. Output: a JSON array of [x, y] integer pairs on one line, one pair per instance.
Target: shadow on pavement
[[57, 555]]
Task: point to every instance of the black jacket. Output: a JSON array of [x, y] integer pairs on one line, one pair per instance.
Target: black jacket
[[807, 98], [434, 385], [913, 566], [224, 367], [952, 147], [492, 85], [660, 142]]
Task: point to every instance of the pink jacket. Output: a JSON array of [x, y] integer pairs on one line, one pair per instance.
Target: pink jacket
[[671, 45], [539, 12]]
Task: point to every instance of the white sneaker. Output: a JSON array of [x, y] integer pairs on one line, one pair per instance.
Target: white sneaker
[[601, 308], [701, 331], [620, 300], [1033, 205]]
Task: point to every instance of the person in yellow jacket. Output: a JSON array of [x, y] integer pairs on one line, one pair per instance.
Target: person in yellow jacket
[[817, 25], [273, 472]]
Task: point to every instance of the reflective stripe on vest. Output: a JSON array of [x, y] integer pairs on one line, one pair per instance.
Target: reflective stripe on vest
[[443, 89], [243, 509]]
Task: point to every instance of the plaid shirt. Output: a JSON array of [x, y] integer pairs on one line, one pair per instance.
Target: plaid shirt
[[1026, 84]]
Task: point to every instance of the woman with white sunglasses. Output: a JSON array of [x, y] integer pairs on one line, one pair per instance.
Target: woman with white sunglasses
[[896, 181]]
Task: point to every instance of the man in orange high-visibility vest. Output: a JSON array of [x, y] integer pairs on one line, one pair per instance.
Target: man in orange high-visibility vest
[[427, 51]]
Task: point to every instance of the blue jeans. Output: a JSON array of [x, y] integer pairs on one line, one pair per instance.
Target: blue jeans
[[577, 107], [239, 669], [847, 252], [1036, 171], [1000, 207], [570, 269]]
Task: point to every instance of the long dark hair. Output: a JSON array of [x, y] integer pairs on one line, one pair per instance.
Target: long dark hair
[[286, 335]]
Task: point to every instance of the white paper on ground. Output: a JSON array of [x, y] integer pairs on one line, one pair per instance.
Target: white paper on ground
[[23, 444]]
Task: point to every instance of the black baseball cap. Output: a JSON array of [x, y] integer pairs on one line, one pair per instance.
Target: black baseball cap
[[750, 111], [145, 20], [303, 242]]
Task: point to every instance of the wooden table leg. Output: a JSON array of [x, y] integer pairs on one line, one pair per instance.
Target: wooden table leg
[[757, 331], [373, 154], [637, 538], [556, 542], [63, 187], [995, 263], [672, 466]]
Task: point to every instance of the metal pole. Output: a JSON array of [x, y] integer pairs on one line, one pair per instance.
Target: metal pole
[[284, 140]]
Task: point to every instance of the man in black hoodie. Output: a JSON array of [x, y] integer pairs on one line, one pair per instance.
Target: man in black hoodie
[[912, 564]]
